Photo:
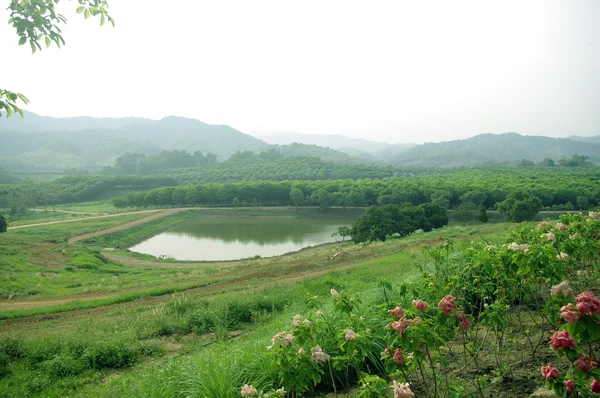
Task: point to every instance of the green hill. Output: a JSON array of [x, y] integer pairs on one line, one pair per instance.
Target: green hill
[[508, 148], [37, 143]]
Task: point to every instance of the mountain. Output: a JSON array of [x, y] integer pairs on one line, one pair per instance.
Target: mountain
[[38, 143], [595, 139], [508, 148], [325, 154], [353, 146]]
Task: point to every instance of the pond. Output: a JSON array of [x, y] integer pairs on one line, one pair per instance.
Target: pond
[[232, 238]]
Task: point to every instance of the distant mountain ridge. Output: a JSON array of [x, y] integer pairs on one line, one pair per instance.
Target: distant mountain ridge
[[40, 143], [507, 148], [44, 143]]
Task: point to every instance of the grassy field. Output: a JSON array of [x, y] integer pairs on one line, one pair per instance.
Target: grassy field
[[80, 321], [116, 317]]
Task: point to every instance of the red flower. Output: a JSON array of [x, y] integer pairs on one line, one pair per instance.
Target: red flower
[[447, 304], [562, 339], [584, 363], [595, 386], [549, 372], [569, 385], [398, 312]]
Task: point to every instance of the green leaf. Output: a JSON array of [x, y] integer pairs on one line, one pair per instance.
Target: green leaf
[[102, 20], [48, 42], [22, 40], [80, 9], [33, 47], [86, 14]]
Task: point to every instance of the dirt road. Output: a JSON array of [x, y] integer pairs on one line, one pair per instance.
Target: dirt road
[[41, 224], [156, 214]]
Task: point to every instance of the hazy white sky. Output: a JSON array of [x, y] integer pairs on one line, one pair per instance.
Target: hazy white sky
[[395, 71]]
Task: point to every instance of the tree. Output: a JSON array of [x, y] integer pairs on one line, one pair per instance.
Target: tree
[[520, 206], [482, 214], [344, 231], [37, 22], [296, 196], [441, 198], [3, 224]]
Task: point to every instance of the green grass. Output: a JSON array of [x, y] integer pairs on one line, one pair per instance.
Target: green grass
[[259, 301]]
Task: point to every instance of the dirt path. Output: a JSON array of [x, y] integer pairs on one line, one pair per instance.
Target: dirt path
[[156, 214], [41, 224], [70, 212]]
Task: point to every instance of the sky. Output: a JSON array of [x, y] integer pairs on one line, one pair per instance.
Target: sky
[[391, 71]]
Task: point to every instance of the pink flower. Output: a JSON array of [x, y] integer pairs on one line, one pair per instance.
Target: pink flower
[[447, 304], [569, 313], [587, 303], [249, 391], [574, 236], [399, 356], [595, 386], [562, 339], [398, 312], [549, 372], [386, 353], [569, 385], [399, 326], [420, 305], [415, 321], [584, 363], [350, 335], [463, 320], [562, 256], [402, 390]]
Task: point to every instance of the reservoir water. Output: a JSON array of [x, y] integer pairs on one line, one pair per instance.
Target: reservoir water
[[231, 238]]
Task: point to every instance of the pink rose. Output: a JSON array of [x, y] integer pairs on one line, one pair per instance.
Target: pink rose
[[398, 312], [584, 363], [587, 303], [562, 339], [569, 313], [399, 326], [447, 304], [569, 385], [420, 305], [549, 372], [399, 356]]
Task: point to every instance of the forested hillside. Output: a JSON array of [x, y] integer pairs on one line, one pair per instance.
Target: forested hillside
[[38, 143], [507, 149]]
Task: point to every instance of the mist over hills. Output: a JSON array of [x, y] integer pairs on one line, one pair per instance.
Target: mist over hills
[[39, 143], [44, 143], [507, 148]]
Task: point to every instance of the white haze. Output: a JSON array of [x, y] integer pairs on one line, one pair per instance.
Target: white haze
[[395, 71]]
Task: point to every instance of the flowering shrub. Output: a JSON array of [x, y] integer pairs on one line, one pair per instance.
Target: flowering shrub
[[583, 326], [423, 349]]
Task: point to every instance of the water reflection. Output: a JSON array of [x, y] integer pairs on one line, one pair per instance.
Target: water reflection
[[230, 238]]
